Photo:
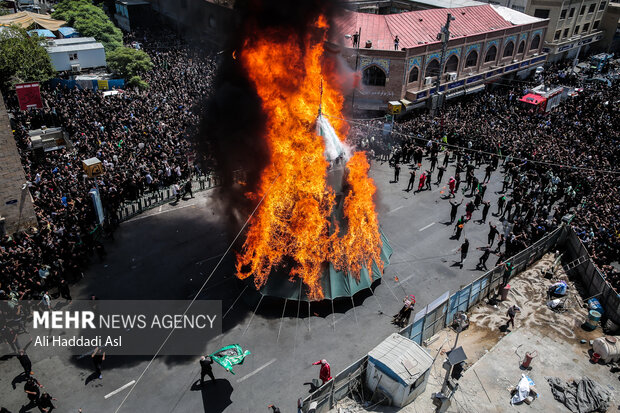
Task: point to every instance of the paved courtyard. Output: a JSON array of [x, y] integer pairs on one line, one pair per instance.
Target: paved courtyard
[[169, 252]]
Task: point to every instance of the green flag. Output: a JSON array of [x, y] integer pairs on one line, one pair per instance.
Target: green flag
[[230, 356]]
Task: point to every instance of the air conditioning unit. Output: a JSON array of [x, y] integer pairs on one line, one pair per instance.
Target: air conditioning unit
[[428, 81], [75, 68], [51, 43], [451, 76]]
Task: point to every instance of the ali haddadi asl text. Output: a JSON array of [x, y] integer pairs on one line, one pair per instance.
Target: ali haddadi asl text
[[78, 341]]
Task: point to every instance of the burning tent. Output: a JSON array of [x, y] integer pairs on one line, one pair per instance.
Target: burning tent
[[315, 233]]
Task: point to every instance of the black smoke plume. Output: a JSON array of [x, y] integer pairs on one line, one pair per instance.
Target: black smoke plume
[[233, 128]]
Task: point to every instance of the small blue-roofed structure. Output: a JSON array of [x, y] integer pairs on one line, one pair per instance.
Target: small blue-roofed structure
[[42, 33], [68, 32]]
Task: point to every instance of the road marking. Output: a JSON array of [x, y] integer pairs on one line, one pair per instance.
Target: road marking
[[396, 209], [247, 376], [119, 389], [160, 207], [162, 212], [427, 227]]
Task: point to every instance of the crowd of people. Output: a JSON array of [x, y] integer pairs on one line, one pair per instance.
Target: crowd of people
[[142, 139], [554, 164]]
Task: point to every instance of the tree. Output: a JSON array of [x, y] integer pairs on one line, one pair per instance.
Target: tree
[[129, 62], [90, 21], [136, 81], [23, 58]]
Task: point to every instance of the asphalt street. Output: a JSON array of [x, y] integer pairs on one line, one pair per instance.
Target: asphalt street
[[170, 251]]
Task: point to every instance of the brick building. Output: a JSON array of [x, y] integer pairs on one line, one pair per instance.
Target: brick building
[[486, 43]]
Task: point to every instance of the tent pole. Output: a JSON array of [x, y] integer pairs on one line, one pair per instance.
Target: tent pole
[[235, 302], [309, 314], [282, 319], [297, 319], [334, 316], [376, 298], [251, 318], [354, 312]]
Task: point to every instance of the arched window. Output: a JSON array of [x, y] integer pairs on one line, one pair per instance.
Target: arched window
[[432, 69], [509, 49], [452, 64], [413, 75], [472, 59], [491, 54], [521, 47], [535, 42], [373, 76]]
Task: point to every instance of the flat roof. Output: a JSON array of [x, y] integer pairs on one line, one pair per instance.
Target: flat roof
[[403, 357], [74, 40], [133, 2], [515, 17], [74, 47]]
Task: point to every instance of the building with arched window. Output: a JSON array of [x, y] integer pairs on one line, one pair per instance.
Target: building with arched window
[[481, 49]]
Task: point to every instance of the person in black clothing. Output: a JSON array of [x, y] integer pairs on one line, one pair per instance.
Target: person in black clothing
[[492, 233], [441, 170], [396, 171], [31, 388], [485, 211], [453, 209], [63, 289], [487, 173], [206, 369], [188, 189], [24, 360], [356, 39], [98, 357], [482, 263], [273, 408], [464, 249], [411, 181], [459, 227], [45, 403]]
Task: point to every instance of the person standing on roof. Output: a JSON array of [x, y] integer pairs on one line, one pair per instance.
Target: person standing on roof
[[396, 41], [325, 374]]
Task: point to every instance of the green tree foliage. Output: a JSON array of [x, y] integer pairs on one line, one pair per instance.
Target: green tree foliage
[[136, 81], [90, 21], [129, 62], [23, 58]]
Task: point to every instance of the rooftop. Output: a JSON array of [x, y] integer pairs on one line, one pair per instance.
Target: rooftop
[[421, 27], [74, 47], [405, 358]]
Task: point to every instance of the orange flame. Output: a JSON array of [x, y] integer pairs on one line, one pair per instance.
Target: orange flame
[[293, 221]]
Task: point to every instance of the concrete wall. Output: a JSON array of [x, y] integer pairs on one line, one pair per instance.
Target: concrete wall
[[15, 205]]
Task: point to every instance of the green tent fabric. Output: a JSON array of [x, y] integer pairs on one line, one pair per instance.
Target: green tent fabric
[[336, 284], [230, 356]]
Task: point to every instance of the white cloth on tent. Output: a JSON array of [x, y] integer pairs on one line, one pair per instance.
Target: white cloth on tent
[[334, 147]]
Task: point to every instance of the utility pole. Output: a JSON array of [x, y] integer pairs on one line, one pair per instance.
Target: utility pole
[[357, 61], [444, 36]]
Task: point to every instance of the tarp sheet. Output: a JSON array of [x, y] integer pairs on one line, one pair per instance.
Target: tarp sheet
[[68, 32], [336, 284], [580, 396], [42, 33], [26, 19]]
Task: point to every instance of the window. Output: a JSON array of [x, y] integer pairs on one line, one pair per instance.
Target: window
[[563, 14], [452, 64], [557, 35], [521, 47], [572, 12], [602, 6], [432, 70], [373, 76], [413, 75], [582, 11], [73, 56], [565, 33], [596, 23], [592, 8], [509, 49], [576, 31], [417, 383], [472, 59], [491, 54], [535, 42], [586, 27], [541, 13]]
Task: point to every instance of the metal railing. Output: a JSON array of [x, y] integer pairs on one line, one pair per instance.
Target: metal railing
[[153, 199]]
